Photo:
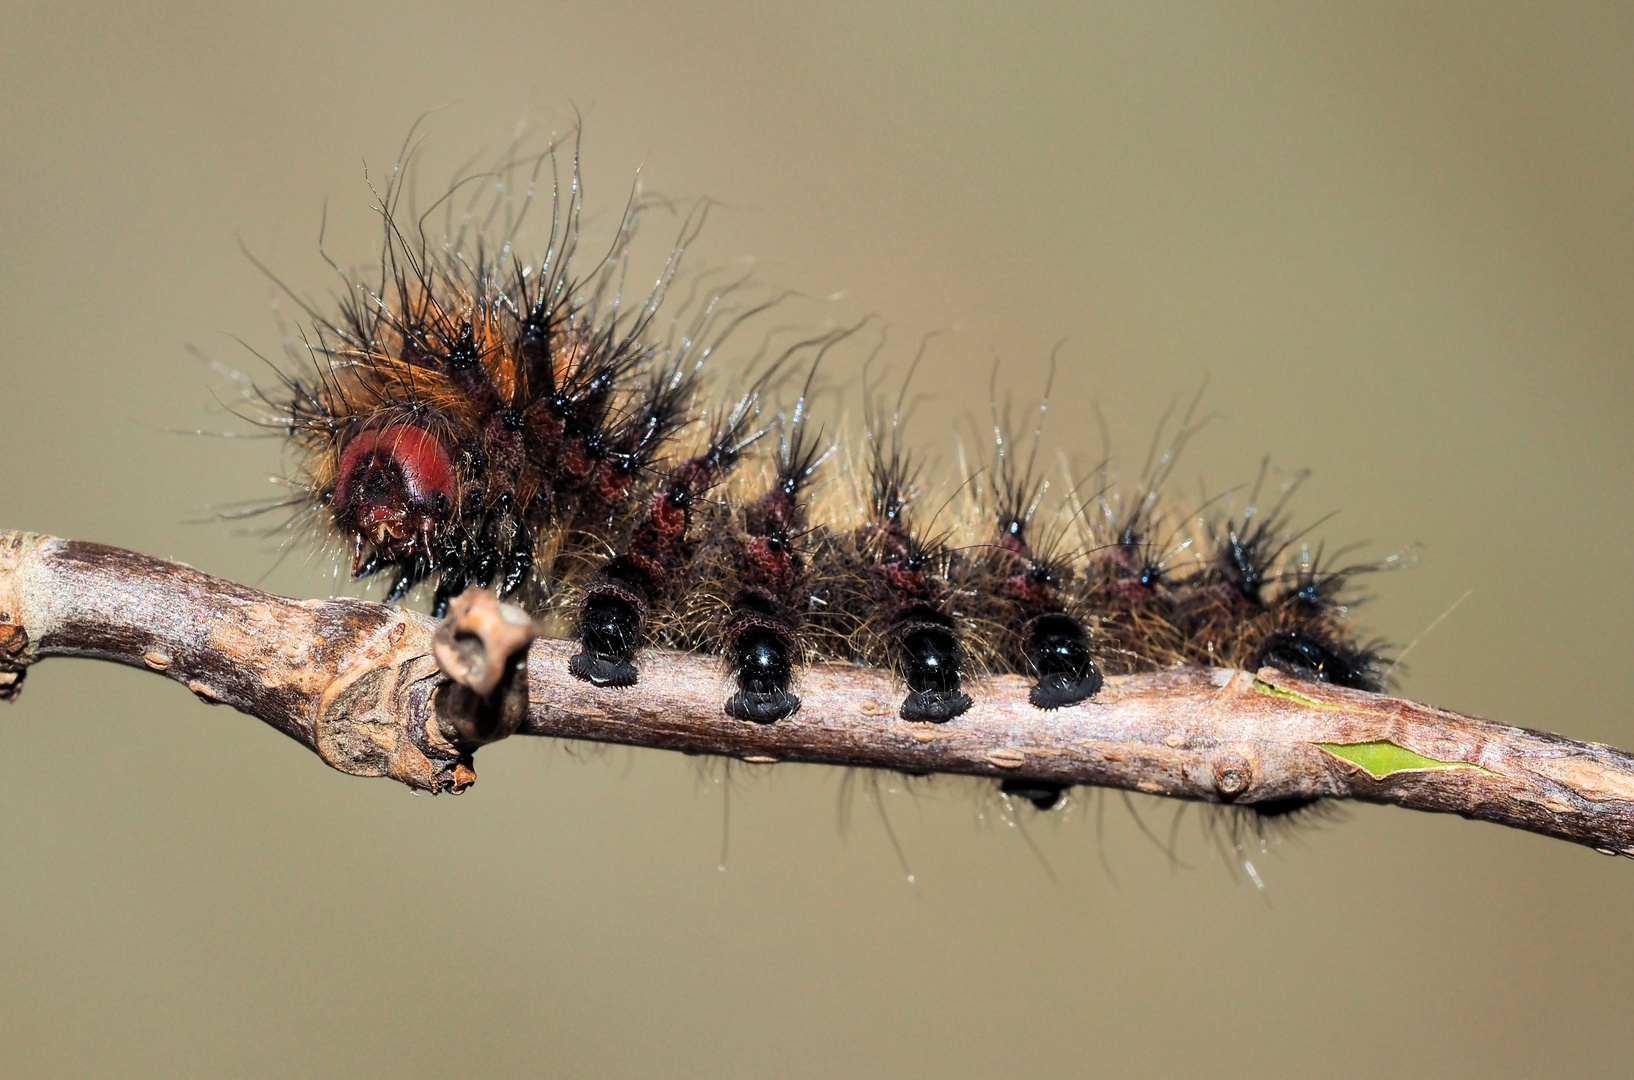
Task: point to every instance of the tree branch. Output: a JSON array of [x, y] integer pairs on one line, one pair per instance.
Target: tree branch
[[358, 683]]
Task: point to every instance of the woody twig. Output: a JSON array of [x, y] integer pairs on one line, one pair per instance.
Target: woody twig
[[378, 691]]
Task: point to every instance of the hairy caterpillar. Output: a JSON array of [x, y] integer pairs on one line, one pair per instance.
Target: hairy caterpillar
[[464, 416]]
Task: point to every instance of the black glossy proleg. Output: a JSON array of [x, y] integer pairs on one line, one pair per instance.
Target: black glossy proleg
[[1302, 653], [930, 662], [1057, 649], [1041, 793], [761, 663], [1275, 808], [609, 631]]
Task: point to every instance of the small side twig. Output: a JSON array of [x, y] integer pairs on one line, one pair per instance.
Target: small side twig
[[360, 684]]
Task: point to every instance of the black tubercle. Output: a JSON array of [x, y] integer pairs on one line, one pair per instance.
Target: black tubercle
[[462, 363], [930, 664], [1249, 546], [1057, 647], [533, 347]]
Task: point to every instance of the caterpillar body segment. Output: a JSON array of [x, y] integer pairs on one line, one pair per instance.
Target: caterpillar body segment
[[649, 566]]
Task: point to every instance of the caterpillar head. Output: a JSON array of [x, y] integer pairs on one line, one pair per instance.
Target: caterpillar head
[[395, 489]]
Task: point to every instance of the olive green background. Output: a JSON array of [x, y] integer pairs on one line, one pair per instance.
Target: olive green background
[[1397, 239]]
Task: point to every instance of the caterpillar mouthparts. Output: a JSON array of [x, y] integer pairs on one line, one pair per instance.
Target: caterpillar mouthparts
[[465, 418]]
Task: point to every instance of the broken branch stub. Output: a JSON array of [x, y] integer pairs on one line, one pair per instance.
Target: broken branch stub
[[482, 646]]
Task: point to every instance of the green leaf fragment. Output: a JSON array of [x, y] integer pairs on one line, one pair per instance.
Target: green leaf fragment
[[1276, 691], [1383, 757]]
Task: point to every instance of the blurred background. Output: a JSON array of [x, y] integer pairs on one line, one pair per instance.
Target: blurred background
[[1397, 240]]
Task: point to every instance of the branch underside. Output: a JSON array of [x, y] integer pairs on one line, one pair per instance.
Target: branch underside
[[357, 683]]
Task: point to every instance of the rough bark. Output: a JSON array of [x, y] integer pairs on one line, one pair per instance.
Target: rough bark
[[358, 683]]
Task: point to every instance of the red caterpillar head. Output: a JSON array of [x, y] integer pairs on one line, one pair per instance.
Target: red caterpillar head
[[395, 487]]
